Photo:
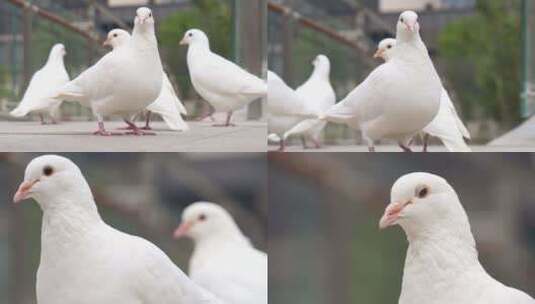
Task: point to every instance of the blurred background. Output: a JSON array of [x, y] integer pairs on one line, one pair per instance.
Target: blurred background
[[28, 29], [139, 193], [483, 50], [324, 240]]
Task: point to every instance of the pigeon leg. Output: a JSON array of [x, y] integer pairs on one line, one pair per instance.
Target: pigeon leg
[[426, 142], [369, 141], [304, 142], [316, 142], [102, 131], [207, 114], [282, 145], [227, 123], [43, 122], [405, 148], [147, 122], [53, 120], [135, 130]]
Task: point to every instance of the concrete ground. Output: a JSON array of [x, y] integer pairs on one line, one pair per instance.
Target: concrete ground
[[30, 136], [391, 148], [523, 135]]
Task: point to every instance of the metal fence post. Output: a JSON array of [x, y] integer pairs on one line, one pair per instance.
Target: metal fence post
[[250, 42]]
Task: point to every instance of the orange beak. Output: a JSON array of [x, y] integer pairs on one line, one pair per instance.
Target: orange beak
[[182, 230], [378, 54], [23, 191], [391, 214], [411, 27]]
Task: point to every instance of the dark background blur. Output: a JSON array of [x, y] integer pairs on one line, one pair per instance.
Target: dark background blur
[[138, 193], [325, 245]]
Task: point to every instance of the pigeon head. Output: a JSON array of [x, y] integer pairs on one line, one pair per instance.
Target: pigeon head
[[52, 179], [143, 16], [322, 63], [195, 37], [384, 49], [407, 25], [59, 50], [116, 38], [321, 60], [202, 219], [423, 202]]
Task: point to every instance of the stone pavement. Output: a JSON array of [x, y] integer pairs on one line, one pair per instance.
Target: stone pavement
[[392, 148], [30, 136]]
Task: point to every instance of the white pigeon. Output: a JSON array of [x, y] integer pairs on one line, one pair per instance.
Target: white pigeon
[[224, 261], [400, 97], [86, 261], [441, 265], [285, 108], [44, 83], [123, 82], [319, 96], [447, 125], [167, 104], [225, 85]]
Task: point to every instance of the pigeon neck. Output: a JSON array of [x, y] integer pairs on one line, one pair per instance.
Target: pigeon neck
[[225, 236], [200, 45], [321, 72], [144, 35], [65, 223], [54, 58], [440, 256]]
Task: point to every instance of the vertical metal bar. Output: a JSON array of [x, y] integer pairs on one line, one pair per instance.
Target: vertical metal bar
[[288, 30], [27, 44], [524, 107], [250, 42]]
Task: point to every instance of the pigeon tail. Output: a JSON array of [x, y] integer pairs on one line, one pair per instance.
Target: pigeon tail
[[69, 92], [19, 111], [302, 127], [175, 123], [455, 145]]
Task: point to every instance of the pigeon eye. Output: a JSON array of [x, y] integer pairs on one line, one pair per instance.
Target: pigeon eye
[[401, 19], [190, 34], [47, 170], [150, 14], [114, 35], [422, 193], [202, 217], [388, 46]]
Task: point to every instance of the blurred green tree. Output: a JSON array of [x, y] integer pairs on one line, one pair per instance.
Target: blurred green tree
[[211, 16], [482, 55]]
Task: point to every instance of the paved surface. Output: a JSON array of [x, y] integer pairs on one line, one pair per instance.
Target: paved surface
[[249, 136], [397, 149], [523, 135]]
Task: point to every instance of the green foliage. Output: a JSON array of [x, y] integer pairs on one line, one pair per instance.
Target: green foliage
[[482, 54], [211, 16]]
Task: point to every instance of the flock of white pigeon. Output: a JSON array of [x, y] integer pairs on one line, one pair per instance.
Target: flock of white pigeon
[[130, 79], [400, 99], [86, 261]]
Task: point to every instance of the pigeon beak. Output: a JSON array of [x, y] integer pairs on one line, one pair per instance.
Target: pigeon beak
[[183, 41], [24, 191], [391, 215], [182, 230], [378, 54], [106, 42], [411, 27]]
